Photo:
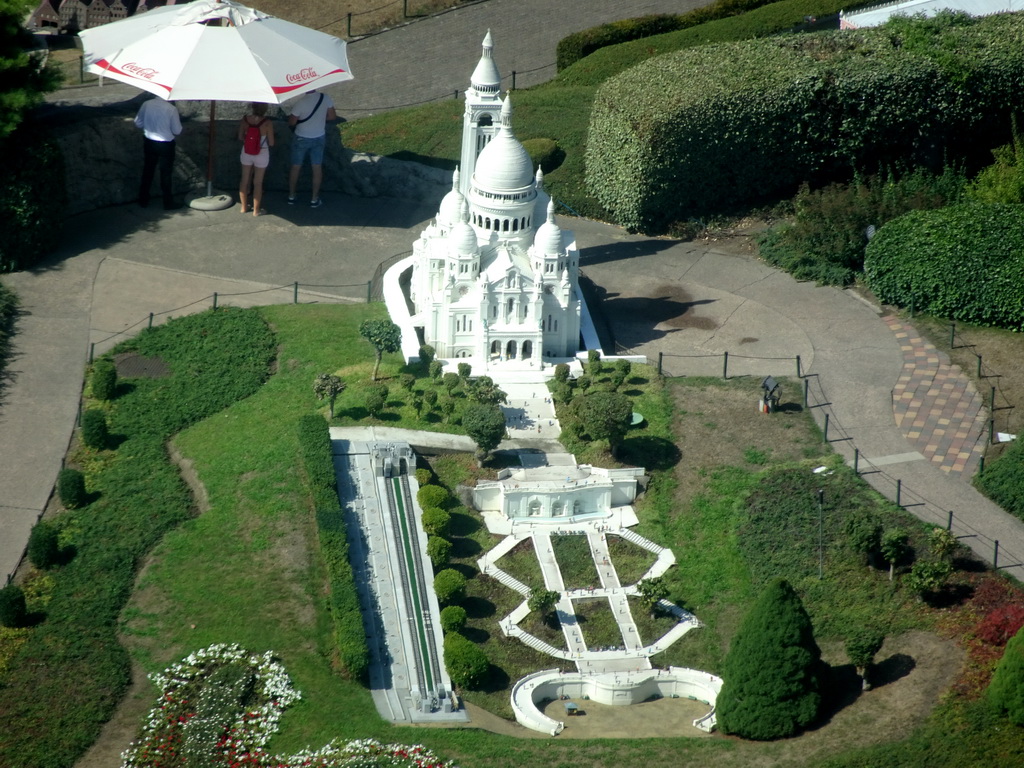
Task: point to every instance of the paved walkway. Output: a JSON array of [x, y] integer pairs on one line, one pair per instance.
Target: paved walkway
[[937, 406], [681, 299]]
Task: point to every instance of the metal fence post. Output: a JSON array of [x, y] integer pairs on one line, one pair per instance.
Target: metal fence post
[[295, 292], [369, 291], [979, 366], [952, 335], [150, 319], [995, 556], [349, 33], [981, 465], [991, 430], [807, 388], [661, 357], [856, 461], [949, 521], [214, 299], [92, 351], [798, 374], [899, 492], [725, 365], [825, 435]]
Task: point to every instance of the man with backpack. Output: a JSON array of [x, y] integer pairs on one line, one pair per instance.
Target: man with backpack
[[308, 120]]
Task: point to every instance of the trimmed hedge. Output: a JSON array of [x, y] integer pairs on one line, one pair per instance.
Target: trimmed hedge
[[95, 432], [962, 262], [578, 45], [1003, 480], [104, 379], [708, 128], [315, 445]]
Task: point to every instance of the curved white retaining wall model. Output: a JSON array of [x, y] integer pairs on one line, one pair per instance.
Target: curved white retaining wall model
[[613, 688]]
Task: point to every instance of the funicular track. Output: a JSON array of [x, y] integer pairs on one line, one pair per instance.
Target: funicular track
[[413, 582]]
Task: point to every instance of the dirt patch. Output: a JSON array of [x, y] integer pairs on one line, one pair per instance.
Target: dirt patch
[[188, 473], [661, 717], [713, 433]]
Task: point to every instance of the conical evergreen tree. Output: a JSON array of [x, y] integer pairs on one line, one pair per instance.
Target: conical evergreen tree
[[773, 670], [1006, 691]]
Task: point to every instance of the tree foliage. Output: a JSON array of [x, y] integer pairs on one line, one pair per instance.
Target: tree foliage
[[1006, 691], [384, 336], [773, 670], [327, 386], [483, 390], [485, 424], [652, 591], [861, 647], [602, 416], [542, 600], [895, 548], [467, 664]]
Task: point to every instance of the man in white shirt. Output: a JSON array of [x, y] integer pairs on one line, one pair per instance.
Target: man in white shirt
[[308, 119], [160, 124]]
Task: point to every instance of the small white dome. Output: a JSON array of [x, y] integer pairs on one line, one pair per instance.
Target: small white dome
[[450, 211], [462, 239], [540, 207], [504, 164], [549, 236]]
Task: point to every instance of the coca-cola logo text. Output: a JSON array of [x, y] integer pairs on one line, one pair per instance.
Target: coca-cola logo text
[[302, 76], [138, 71]]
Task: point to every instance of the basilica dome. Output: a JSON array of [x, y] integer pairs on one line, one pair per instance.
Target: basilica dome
[[504, 165], [549, 235]]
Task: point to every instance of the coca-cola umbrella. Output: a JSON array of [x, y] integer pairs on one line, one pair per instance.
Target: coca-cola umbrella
[[215, 50]]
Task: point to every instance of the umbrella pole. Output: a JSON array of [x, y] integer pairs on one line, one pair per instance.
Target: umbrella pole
[[209, 152]]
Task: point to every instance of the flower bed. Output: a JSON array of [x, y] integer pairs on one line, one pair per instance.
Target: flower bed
[[221, 705]]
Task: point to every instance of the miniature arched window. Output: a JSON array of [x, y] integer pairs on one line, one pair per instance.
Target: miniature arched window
[[504, 225], [527, 350], [515, 225], [510, 350], [485, 119], [495, 348], [557, 509], [509, 309], [534, 509], [487, 225], [576, 507]]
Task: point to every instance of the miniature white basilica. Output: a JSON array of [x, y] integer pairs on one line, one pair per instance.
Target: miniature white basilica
[[494, 277]]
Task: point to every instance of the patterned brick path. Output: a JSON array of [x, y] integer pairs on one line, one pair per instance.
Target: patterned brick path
[[936, 406]]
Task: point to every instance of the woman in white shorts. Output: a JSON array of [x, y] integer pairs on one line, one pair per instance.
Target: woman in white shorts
[[259, 162]]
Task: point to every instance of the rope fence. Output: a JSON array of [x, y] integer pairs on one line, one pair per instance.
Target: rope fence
[[815, 398]]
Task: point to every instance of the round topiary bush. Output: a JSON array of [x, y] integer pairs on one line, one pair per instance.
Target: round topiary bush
[[94, 429], [433, 496], [43, 546], [71, 489], [104, 379], [439, 551], [450, 586], [13, 612], [453, 618], [962, 262], [467, 664], [435, 521], [423, 476]]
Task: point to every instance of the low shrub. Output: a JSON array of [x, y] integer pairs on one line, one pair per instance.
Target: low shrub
[[424, 476], [43, 545], [95, 432], [13, 612], [435, 521], [544, 153], [826, 240], [71, 489], [104, 379], [1006, 691]]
